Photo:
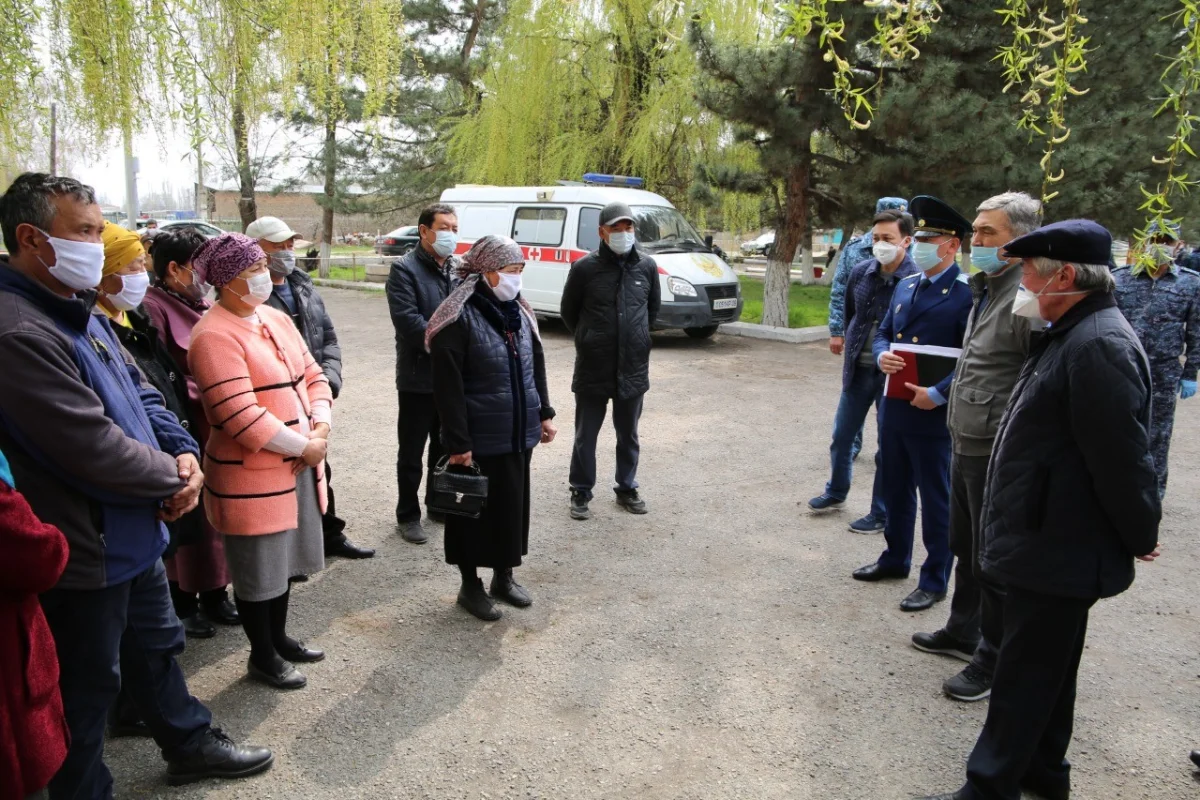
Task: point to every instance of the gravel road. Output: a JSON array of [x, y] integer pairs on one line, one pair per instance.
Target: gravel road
[[716, 648]]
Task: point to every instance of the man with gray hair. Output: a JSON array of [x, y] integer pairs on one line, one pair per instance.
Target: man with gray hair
[[994, 347], [1071, 500]]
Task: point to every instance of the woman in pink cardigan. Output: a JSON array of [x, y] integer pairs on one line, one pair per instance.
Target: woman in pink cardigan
[[269, 406]]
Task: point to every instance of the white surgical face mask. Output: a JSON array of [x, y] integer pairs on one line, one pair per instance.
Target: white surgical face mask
[[1025, 302], [196, 289], [133, 289], [621, 242], [445, 243], [508, 288], [260, 287], [925, 254], [885, 252], [282, 263], [79, 265], [987, 259]]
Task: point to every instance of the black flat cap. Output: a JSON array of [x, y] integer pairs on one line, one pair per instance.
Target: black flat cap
[[615, 212], [1079, 241], [934, 217]]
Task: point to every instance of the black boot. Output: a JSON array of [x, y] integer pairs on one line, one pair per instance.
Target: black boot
[[218, 607], [216, 756], [508, 590], [266, 665], [285, 645], [474, 599]]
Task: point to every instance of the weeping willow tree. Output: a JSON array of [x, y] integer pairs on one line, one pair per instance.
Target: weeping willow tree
[[603, 86], [20, 71], [330, 49]]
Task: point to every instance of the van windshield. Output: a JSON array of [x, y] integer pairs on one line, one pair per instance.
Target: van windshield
[[660, 228]]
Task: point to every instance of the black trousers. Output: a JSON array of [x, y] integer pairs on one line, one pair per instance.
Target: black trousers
[[977, 606], [416, 424], [334, 526], [590, 411], [1032, 709]]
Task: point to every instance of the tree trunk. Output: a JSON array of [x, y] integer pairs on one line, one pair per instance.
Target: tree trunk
[[465, 78], [807, 276], [777, 286], [330, 187], [247, 205]]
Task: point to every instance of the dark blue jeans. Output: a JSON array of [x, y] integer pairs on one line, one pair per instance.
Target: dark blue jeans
[[590, 411], [864, 391], [126, 632]]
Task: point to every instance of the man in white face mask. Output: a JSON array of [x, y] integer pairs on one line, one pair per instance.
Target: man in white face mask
[[294, 294], [96, 454], [927, 309], [994, 347], [610, 302], [1071, 500], [868, 297]]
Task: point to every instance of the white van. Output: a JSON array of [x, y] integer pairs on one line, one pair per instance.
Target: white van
[[558, 225]]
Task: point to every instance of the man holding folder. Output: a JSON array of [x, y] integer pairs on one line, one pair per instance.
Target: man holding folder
[[929, 310]]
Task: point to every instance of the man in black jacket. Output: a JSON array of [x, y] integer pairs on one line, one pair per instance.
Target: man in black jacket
[[295, 295], [610, 302], [1071, 500], [416, 286]]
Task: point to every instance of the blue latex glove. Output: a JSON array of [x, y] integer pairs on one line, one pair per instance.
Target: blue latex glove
[[1186, 389]]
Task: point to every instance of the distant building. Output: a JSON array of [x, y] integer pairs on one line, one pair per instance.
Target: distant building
[[298, 207]]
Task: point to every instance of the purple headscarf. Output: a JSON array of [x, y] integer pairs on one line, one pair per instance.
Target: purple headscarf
[[489, 254], [224, 257]]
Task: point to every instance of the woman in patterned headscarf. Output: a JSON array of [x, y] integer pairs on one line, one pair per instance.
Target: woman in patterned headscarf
[[268, 405], [489, 385]]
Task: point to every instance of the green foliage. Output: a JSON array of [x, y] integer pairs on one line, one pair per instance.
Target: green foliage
[[1181, 80], [19, 72]]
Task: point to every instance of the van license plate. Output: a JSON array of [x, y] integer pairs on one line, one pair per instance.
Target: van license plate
[[722, 305]]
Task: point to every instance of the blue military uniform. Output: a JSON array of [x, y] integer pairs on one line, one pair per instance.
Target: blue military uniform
[[915, 442], [1165, 314]]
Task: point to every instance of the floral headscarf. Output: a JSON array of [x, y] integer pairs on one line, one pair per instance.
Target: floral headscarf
[[489, 254], [224, 257]]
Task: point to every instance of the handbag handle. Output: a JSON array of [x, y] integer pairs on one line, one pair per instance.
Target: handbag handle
[[444, 464]]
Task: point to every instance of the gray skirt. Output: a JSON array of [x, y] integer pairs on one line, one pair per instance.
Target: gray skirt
[[260, 566]]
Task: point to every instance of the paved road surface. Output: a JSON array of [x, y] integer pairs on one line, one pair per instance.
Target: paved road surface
[[714, 649]]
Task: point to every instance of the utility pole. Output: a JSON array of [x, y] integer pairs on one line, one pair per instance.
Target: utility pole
[[131, 198], [201, 195], [53, 138]]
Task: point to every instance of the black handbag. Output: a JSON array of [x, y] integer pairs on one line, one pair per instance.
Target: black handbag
[[458, 490]]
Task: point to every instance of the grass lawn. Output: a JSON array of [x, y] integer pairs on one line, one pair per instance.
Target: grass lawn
[[807, 305]]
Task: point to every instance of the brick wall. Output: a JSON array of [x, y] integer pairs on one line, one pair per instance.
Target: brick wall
[[303, 214]]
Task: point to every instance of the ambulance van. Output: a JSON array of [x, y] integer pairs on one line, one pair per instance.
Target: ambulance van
[[558, 225]]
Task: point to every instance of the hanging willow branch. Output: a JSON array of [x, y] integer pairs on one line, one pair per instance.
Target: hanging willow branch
[[1181, 79], [19, 69], [901, 25], [809, 15], [1057, 78]]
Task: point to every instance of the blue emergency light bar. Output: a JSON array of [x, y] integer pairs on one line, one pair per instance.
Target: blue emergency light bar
[[614, 180]]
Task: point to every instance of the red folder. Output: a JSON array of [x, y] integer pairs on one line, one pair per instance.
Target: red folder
[[924, 365]]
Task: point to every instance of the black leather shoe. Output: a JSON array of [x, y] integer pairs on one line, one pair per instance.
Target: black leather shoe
[[874, 572], [944, 643], [413, 532], [920, 600], [224, 612], [347, 549], [1043, 792], [506, 589], [474, 599], [218, 757], [197, 626], [1195, 756], [952, 796], [288, 678], [301, 654]]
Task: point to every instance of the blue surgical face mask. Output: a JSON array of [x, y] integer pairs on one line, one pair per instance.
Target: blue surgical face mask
[[446, 243], [987, 259], [621, 243], [925, 254]]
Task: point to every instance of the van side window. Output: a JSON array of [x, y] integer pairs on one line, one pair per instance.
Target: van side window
[[541, 226], [589, 229]]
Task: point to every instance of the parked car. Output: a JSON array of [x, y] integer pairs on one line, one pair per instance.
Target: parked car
[[207, 229], [759, 246], [398, 242]]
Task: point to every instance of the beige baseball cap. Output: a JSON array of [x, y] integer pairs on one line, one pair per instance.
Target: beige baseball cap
[[273, 229]]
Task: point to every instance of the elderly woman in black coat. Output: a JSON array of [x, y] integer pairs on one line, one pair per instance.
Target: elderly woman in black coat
[[489, 385]]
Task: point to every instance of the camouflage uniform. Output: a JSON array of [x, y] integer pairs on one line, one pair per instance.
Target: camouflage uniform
[[1165, 314]]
